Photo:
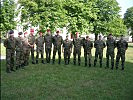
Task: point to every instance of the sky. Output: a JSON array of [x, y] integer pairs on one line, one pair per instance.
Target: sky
[[124, 4]]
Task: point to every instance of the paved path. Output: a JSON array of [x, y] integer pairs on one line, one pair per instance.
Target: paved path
[[2, 57]]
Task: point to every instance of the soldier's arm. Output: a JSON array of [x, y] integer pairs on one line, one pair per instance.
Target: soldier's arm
[[126, 45], [104, 45], [95, 44], [91, 45], [5, 42]]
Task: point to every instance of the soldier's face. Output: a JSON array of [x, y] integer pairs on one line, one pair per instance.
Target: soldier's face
[[40, 34], [58, 33], [121, 37], [48, 32], [11, 35], [110, 37]]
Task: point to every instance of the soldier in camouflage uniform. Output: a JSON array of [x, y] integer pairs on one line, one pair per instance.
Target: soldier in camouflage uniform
[[9, 43], [99, 45], [111, 44], [31, 40], [87, 50], [77, 42], [122, 46], [26, 49], [40, 47], [57, 42], [67, 49], [19, 51], [48, 45]]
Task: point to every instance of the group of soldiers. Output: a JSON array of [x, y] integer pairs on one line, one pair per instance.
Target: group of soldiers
[[22, 46]]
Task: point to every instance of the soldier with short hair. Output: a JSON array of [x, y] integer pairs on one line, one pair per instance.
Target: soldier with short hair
[[122, 46], [77, 42], [31, 41], [48, 45], [88, 45], [111, 44], [40, 47], [67, 49], [19, 51], [57, 42], [99, 45], [9, 44]]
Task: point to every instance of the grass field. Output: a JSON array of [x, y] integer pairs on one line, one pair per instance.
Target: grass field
[[68, 82]]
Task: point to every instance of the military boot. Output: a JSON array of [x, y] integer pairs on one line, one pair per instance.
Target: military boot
[[43, 62], [8, 71], [36, 61]]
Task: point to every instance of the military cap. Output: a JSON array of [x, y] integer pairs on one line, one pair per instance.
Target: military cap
[[11, 32], [20, 33], [110, 34], [100, 36], [57, 31], [121, 35], [87, 36]]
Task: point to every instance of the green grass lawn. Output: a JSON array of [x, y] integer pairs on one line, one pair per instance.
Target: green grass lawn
[[69, 82]]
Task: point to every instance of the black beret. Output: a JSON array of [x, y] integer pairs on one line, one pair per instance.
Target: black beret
[[20, 33], [11, 32]]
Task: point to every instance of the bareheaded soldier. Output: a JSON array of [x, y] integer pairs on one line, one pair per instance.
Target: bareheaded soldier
[[9, 43], [122, 46], [19, 51], [67, 49], [77, 42], [26, 49], [48, 45], [111, 44], [40, 47], [99, 45], [57, 42], [87, 50], [31, 40]]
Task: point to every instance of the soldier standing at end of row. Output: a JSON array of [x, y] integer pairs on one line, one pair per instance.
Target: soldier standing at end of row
[[99, 45], [57, 42], [67, 49], [122, 46], [48, 45], [19, 51], [31, 40], [88, 45], [40, 47], [77, 42], [9, 43], [111, 44]]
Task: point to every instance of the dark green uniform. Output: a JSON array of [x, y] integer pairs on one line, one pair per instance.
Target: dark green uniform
[[122, 46], [99, 45], [87, 51], [31, 40], [77, 42], [111, 44], [67, 45], [40, 48], [26, 51], [9, 43], [57, 42], [48, 45], [19, 52]]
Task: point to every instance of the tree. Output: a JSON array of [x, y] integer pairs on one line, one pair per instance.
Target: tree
[[128, 20], [7, 16]]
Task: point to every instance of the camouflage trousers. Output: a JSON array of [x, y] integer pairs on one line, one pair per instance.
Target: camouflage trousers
[[9, 59], [41, 51], [26, 53], [67, 54], [32, 54], [59, 54], [48, 54], [19, 58], [88, 57], [122, 56], [76, 52], [100, 55], [110, 54]]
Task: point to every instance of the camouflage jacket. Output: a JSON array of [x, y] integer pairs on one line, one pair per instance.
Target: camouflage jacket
[[57, 41], [31, 39], [99, 45], [48, 41], [9, 43], [77, 42], [19, 44], [111, 44], [40, 42], [122, 45], [67, 45], [88, 45]]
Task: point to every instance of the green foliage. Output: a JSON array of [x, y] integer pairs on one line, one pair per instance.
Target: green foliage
[[7, 16], [128, 19]]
